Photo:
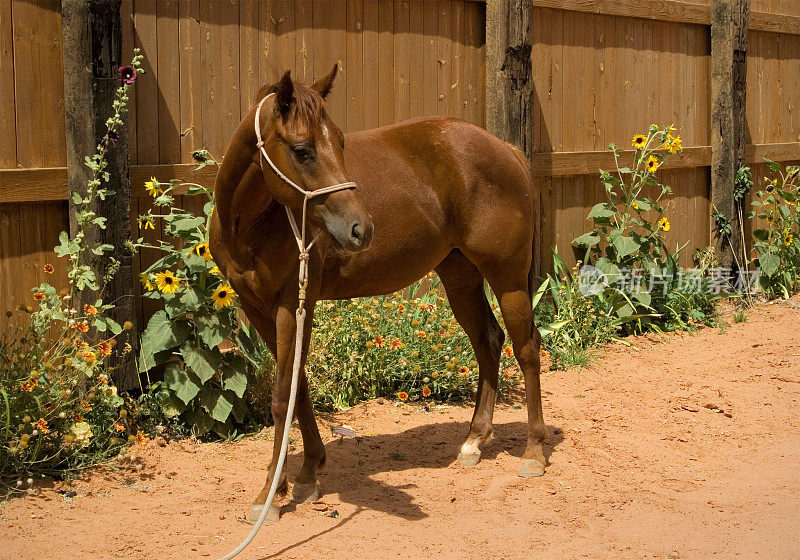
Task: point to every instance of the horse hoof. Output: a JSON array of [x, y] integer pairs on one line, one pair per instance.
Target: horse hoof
[[273, 515], [302, 493], [531, 467], [469, 459]]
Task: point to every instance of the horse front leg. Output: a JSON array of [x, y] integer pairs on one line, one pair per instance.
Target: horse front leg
[[286, 330]]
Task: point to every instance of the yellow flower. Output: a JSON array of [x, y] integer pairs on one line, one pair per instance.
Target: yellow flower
[[635, 205], [787, 239], [652, 164], [223, 296], [82, 433], [402, 395], [673, 144], [167, 282], [639, 141], [146, 222], [144, 278], [202, 251], [215, 270], [153, 188], [663, 223]]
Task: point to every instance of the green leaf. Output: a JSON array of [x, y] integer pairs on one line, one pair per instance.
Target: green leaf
[[218, 404], [203, 361], [624, 246], [773, 166], [234, 376], [161, 334], [601, 210], [183, 383], [769, 264], [589, 239], [214, 326], [172, 406], [761, 234]]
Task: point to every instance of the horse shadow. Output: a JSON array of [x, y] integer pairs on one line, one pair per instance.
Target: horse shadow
[[351, 462]]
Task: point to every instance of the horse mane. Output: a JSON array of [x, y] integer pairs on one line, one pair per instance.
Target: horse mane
[[308, 103]]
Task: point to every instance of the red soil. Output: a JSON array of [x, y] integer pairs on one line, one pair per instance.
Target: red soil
[[688, 448]]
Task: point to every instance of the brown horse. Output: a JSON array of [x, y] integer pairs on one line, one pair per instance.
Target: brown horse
[[438, 193]]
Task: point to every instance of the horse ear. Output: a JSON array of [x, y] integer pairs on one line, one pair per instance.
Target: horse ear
[[324, 85], [284, 94]]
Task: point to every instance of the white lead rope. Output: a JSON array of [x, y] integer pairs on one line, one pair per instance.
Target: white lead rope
[[300, 318]]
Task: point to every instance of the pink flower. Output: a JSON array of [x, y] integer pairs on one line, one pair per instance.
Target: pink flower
[[127, 74]]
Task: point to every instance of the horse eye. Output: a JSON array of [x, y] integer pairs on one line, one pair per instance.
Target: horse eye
[[302, 153]]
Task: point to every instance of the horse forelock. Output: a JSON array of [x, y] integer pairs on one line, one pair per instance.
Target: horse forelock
[[307, 107]]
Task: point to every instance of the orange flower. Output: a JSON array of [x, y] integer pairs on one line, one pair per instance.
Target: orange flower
[[402, 395], [77, 418], [41, 425], [426, 391], [39, 296], [508, 351], [119, 427], [401, 308], [104, 348], [89, 357], [48, 268], [379, 341], [141, 437], [422, 334], [463, 370], [396, 344], [81, 326], [85, 406], [90, 309]]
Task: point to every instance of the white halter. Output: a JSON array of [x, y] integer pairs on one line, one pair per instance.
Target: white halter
[[300, 319]]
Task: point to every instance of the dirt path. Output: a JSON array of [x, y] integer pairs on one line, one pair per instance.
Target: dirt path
[[641, 467]]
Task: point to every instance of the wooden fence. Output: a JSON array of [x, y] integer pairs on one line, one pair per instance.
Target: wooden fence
[[601, 70], [205, 61]]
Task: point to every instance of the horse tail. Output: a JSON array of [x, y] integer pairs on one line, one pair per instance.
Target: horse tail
[[525, 164]]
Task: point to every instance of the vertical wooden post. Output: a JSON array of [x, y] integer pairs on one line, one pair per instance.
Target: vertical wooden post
[[91, 57], [509, 86], [729, 23]]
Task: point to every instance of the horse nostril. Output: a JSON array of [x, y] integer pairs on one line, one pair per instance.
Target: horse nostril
[[356, 232]]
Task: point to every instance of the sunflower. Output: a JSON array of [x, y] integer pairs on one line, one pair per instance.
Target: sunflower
[[167, 282], [639, 141], [635, 205], [215, 270], [223, 296], [402, 395], [673, 144], [652, 164], [146, 222], [202, 251], [663, 223], [153, 188], [144, 278], [787, 239]]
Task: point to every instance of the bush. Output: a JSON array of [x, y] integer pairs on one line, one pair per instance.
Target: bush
[[777, 246], [639, 276], [396, 346], [59, 410]]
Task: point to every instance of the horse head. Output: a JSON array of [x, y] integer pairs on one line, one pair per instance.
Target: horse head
[[307, 147]]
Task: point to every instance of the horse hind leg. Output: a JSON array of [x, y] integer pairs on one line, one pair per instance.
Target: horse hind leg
[[464, 286], [515, 303]]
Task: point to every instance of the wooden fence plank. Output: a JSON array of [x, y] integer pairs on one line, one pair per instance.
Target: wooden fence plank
[[8, 121]]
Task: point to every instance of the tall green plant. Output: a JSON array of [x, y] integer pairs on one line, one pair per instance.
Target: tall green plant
[[206, 383]]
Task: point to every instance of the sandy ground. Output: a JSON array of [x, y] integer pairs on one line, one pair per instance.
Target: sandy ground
[[688, 448]]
